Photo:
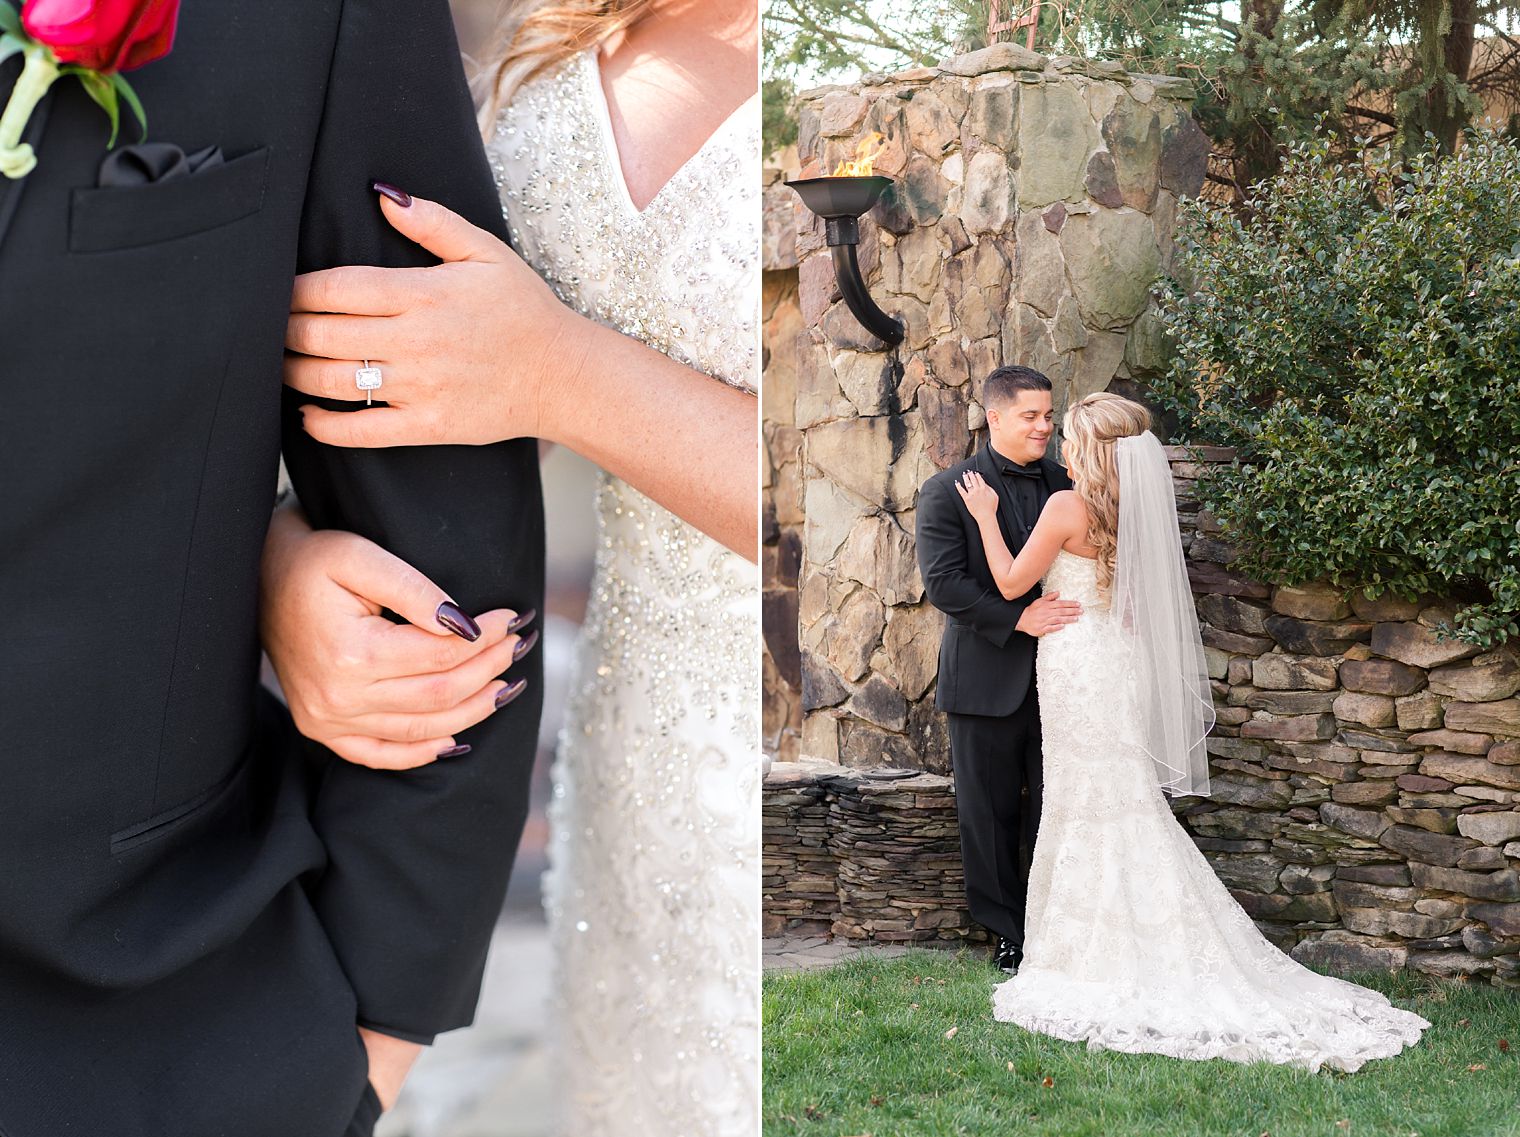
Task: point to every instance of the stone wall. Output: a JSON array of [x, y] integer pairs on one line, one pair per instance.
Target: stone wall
[[847, 853], [1032, 209], [1365, 806]]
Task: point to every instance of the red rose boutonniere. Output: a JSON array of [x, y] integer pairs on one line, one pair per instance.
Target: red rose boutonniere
[[94, 39]]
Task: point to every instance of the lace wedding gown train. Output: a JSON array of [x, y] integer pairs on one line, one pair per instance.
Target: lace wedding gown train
[[653, 895], [1132, 942]]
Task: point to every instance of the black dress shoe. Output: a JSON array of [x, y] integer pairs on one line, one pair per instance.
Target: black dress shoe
[[1008, 955]]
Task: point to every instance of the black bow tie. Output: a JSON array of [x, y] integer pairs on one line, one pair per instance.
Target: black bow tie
[[1009, 467]]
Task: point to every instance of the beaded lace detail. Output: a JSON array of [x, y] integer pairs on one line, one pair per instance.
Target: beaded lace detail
[[1133, 943], [654, 888]]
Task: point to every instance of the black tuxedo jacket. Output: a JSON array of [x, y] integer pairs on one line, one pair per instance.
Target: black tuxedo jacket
[[985, 666], [196, 907]]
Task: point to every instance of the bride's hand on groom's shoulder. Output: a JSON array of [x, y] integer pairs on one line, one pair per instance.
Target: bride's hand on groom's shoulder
[[980, 498], [471, 351], [390, 696]]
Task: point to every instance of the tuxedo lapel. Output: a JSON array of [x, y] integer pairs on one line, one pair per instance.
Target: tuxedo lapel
[[1055, 476], [11, 189]]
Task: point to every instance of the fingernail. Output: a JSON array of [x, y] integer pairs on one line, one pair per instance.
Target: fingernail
[[525, 645], [453, 617], [399, 196], [455, 751], [510, 692], [522, 620]]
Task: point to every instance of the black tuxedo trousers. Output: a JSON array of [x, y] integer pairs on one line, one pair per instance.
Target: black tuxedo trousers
[[197, 906], [986, 686]]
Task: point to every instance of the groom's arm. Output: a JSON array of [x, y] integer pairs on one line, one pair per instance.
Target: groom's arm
[[943, 562], [418, 859]]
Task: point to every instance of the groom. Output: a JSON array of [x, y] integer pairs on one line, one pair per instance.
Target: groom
[[986, 659], [197, 911]]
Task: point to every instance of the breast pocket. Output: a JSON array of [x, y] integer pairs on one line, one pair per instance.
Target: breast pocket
[[125, 217]]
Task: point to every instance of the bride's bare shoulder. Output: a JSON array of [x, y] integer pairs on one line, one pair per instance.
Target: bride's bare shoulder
[[1069, 511], [1068, 506]]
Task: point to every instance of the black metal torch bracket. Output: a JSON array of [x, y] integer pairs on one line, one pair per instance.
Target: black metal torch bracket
[[840, 202]]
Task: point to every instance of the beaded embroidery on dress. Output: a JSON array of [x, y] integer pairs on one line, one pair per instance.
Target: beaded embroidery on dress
[[653, 895], [1132, 942]]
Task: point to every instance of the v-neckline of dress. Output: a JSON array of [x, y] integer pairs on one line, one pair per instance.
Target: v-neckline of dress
[[615, 156]]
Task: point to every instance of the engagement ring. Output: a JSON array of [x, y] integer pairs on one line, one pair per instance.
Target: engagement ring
[[368, 380]]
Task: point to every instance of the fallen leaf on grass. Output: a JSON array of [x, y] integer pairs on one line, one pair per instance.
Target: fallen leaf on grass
[[1464, 1022], [912, 1006], [812, 1113], [1010, 1067], [1343, 1123], [952, 1032], [1504, 1046], [1475, 1067], [1048, 1082], [875, 1100]]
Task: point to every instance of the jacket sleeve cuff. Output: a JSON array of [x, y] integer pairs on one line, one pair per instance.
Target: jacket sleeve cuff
[[397, 1032]]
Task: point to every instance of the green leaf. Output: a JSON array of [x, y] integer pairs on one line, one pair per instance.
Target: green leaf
[[99, 88], [10, 45], [125, 89], [10, 19]]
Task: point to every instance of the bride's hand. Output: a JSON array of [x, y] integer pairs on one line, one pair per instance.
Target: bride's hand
[[376, 693], [474, 350], [980, 498]]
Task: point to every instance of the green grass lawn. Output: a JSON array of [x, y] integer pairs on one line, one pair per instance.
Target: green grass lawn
[[862, 1049]]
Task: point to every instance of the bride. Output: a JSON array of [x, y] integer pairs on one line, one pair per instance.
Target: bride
[[1132, 942], [624, 137]]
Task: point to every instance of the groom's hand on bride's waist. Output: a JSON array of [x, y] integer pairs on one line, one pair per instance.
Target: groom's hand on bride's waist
[[1048, 613], [390, 1060], [390, 696]]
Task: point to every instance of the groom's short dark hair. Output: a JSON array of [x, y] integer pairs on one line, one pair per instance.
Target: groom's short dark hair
[[1004, 384]]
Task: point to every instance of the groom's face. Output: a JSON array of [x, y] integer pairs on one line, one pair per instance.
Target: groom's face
[[1021, 430]]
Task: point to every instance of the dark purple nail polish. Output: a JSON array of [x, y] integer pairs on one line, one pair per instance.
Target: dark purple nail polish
[[522, 620], [455, 751], [510, 692], [525, 645], [453, 617], [399, 196]]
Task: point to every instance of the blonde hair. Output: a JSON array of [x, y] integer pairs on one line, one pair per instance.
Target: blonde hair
[[534, 35], [1090, 428]]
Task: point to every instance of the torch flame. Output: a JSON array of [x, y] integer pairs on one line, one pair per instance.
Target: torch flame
[[866, 153]]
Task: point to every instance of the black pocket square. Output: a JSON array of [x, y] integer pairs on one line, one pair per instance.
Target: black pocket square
[[148, 162]]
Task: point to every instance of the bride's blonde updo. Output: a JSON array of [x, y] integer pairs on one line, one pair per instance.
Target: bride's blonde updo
[[1090, 428], [534, 35]]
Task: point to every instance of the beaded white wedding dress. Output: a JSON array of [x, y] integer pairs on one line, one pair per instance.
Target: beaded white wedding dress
[[1131, 941], [653, 895]]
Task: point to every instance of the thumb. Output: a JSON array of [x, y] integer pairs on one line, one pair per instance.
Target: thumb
[[386, 581], [438, 229]]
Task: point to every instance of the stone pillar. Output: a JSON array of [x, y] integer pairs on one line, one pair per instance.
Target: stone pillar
[[781, 489], [1032, 211]]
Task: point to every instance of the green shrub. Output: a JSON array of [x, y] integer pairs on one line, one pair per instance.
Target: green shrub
[[1357, 338]]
